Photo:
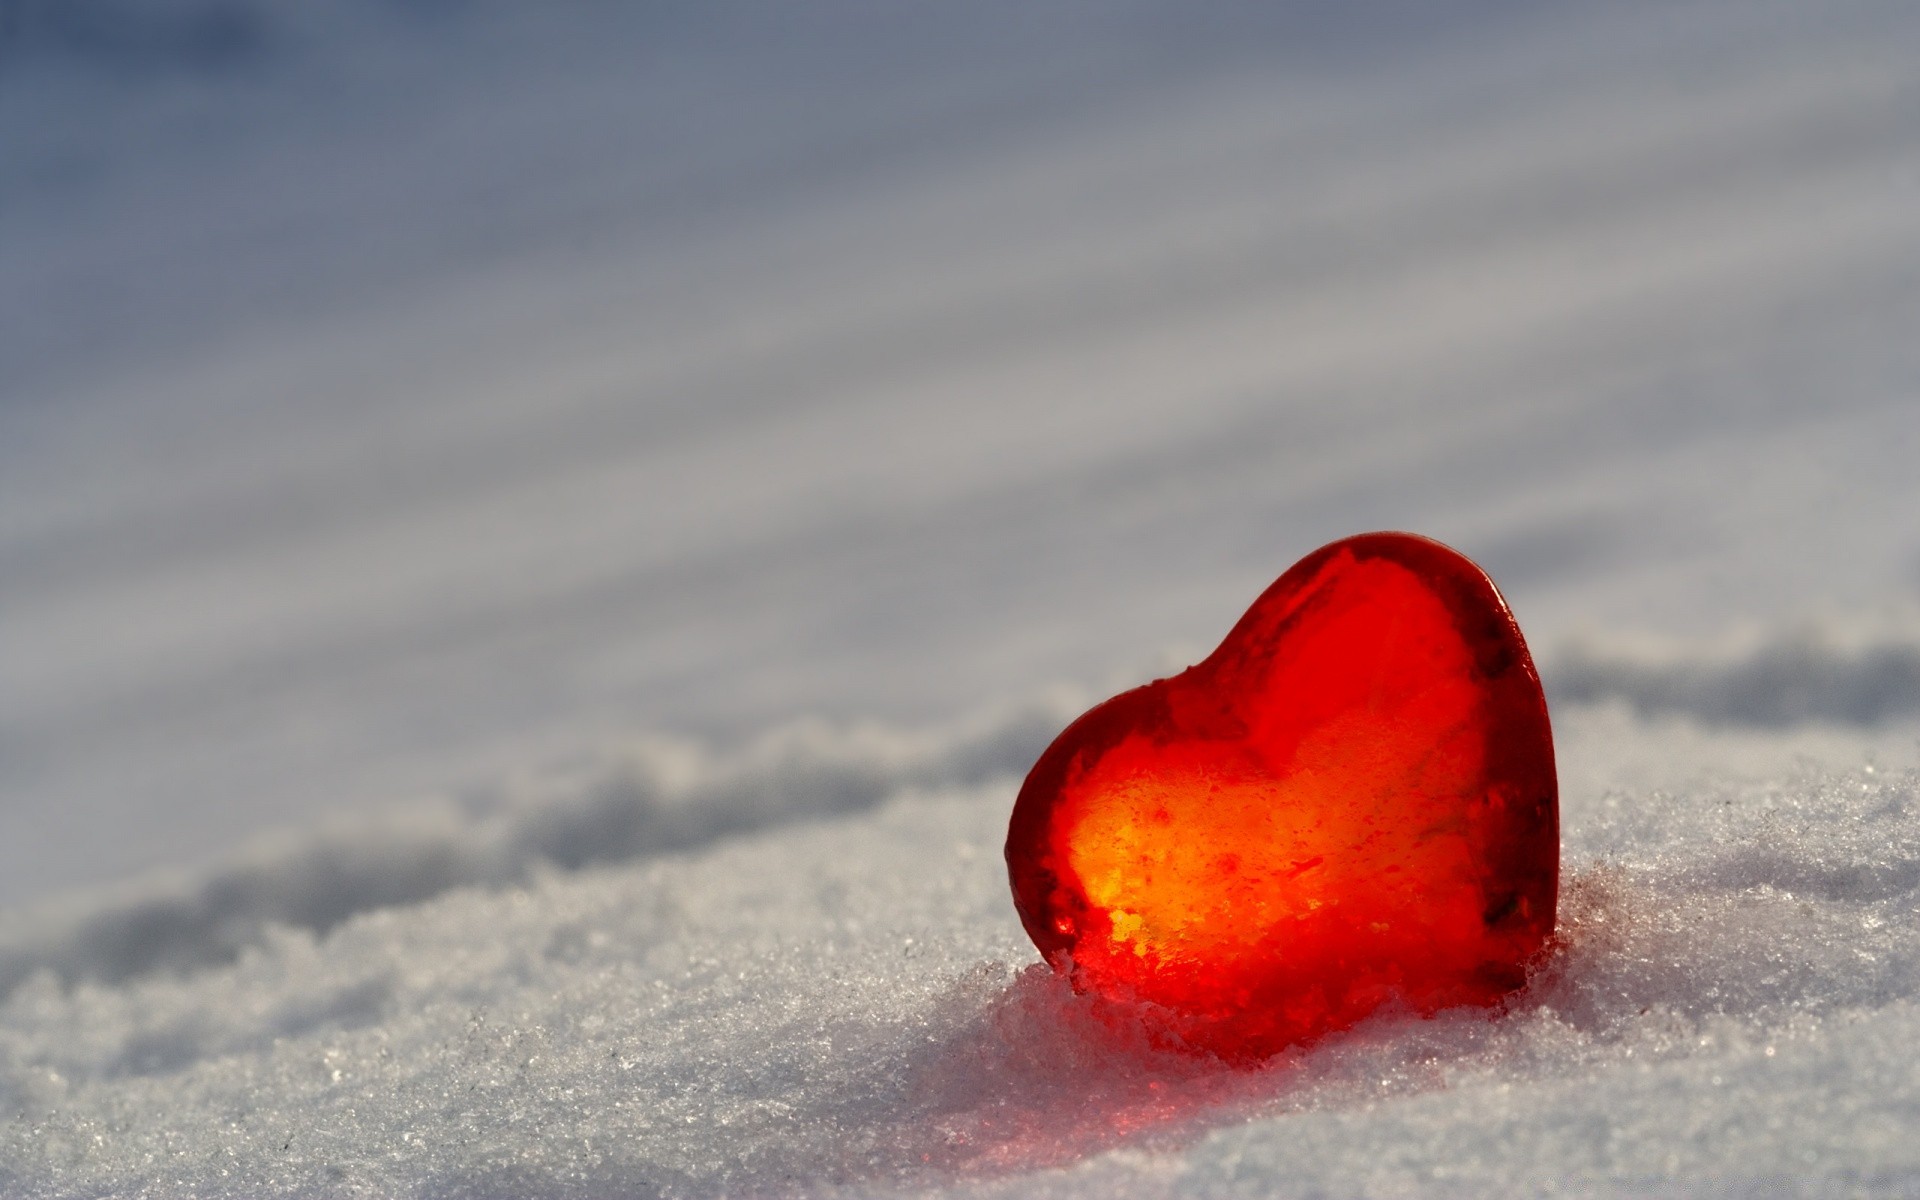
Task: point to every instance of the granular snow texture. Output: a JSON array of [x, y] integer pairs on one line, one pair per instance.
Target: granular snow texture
[[833, 997], [538, 541]]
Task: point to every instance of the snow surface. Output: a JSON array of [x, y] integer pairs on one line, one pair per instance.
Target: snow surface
[[537, 543], [795, 972]]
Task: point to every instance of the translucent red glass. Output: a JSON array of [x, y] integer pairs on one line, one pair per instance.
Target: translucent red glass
[[1350, 803]]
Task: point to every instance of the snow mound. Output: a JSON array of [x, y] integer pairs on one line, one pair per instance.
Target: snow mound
[[1777, 679], [835, 998], [654, 797]]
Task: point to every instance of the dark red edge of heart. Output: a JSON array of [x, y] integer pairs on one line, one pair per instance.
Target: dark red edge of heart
[[1470, 595]]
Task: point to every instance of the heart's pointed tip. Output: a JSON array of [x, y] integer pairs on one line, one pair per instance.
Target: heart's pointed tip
[[1351, 802]]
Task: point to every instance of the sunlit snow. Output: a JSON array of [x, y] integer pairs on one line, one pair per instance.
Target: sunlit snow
[[537, 543]]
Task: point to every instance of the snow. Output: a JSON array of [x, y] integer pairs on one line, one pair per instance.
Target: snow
[[538, 544], [687, 977]]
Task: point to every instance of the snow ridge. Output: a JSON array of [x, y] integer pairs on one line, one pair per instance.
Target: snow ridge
[[652, 798], [658, 796], [1783, 678]]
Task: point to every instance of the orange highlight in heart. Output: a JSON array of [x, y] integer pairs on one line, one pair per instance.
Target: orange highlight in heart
[[1350, 803]]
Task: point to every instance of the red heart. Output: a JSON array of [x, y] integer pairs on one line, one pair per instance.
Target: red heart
[[1351, 802]]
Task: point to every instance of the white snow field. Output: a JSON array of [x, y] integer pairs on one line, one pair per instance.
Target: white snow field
[[538, 542]]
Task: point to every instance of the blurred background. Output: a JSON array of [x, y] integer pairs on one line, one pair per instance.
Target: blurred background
[[397, 394]]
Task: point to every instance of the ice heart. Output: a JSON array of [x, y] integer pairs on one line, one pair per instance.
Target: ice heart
[[1350, 803]]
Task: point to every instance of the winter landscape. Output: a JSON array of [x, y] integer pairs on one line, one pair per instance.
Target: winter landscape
[[537, 544]]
